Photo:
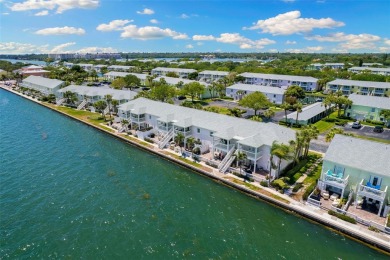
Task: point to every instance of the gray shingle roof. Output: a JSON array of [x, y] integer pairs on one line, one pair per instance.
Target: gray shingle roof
[[174, 81], [173, 69], [360, 154], [221, 125], [278, 77], [215, 72], [359, 83], [370, 68], [308, 112], [370, 101], [263, 89], [117, 74], [99, 91], [45, 82], [120, 67]]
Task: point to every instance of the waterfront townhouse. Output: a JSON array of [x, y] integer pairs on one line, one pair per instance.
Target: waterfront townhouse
[[320, 66], [212, 75], [378, 71], [89, 95], [273, 80], [32, 70], [44, 85], [179, 83], [182, 73], [368, 107], [238, 91], [309, 115], [360, 167], [119, 68], [347, 87], [99, 67], [86, 66], [219, 134]]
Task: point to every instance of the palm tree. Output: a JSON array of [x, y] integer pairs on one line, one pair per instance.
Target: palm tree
[[190, 143], [125, 124], [309, 133], [114, 104], [240, 157], [283, 152], [70, 97], [108, 99], [298, 107], [100, 106], [179, 139], [386, 115], [269, 113], [274, 147], [285, 106], [240, 93], [327, 103]]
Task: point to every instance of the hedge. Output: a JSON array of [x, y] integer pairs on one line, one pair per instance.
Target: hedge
[[342, 216], [309, 190]]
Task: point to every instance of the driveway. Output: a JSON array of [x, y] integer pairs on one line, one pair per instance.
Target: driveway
[[368, 131]]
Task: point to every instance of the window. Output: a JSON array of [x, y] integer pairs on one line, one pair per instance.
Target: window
[[274, 95], [150, 117], [211, 133], [198, 130], [373, 109], [375, 181]]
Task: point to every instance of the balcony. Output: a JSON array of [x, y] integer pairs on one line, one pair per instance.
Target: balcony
[[221, 146], [252, 155], [370, 191], [335, 179], [185, 131], [136, 119]]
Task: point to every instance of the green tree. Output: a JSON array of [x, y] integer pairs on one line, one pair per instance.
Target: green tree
[[132, 81], [385, 113], [293, 94], [108, 99], [93, 74], [329, 136], [269, 113], [100, 106], [125, 124], [172, 74], [179, 139], [241, 157], [193, 75], [70, 97], [162, 92], [118, 83], [327, 103], [239, 79], [190, 143], [193, 89], [255, 101], [285, 106], [115, 104], [256, 118], [283, 152], [298, 107]]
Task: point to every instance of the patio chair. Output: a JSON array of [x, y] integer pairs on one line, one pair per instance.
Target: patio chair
[[334, 196], [325, 195]]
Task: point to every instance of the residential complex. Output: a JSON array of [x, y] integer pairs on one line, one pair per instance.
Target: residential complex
[[309, 115], [44, 85], [211, 75], [182, 73], [360, 167], [119, 68], [284, 81], [378, 71], [217, 133], [32, 70], [368, 107], [320, 66], [238, 91], [370, 88]]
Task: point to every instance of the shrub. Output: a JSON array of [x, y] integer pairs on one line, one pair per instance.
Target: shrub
[[264, 183], [373, 229], [297, 187], [309, 190], [342, 216], [149, 140], [279, 184]]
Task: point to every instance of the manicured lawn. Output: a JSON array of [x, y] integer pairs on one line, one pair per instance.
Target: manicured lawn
[[323, 126]]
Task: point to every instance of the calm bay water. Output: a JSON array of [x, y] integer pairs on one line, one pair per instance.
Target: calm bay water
[[67, 190]]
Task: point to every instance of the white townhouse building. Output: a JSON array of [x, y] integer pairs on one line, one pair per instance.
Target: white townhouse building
[[378, 71], [182, 73], [89, 95], [366, 64], [119, 68], [99, 67], [320, 66], [238, 91], [309, 115], [274, 80], [68, 65], [357, 166], [211, 75], [86, 66], [44, 85], [218, 133], [371, 88]]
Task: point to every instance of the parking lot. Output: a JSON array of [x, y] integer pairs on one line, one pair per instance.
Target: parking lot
[[368, 131]]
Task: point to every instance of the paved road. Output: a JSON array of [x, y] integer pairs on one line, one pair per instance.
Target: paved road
[[368, 131]]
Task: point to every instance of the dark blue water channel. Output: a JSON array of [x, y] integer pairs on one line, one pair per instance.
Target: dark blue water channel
[[69, 191]]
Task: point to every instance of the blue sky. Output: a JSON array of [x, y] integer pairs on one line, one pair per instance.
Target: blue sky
[[60, 26]]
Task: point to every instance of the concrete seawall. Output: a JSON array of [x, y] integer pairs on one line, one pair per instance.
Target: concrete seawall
[[352, 231]]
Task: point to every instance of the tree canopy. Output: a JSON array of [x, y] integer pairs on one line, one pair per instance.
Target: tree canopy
[[255, 101], [193, 89]]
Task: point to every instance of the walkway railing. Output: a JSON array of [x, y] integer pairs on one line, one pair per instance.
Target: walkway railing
[[60, 101], [164, 141], [82, 104], [227, 157], [227, 165]]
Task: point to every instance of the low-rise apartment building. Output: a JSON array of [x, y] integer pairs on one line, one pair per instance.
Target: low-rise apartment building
[[274, 80], [238, 91], [182, 73], [212, 75], [378, 71], [44, 85], [371, 88]]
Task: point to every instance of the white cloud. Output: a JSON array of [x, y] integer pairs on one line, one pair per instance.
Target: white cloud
[[306, 50], [4, 13], [115, 25], [387, 41], [151, 32], [290, 42], [189, 46], [290, 23], [97, 50], [146, 11], [349, 41], [61, 31], [203, 38], [42, 13], [199, 43], [154, 21], [184, 16], [60, 5], [21, 48], [384, 49], [60, 48]]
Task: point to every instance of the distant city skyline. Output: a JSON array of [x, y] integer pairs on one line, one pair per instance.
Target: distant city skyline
[[296, 26]]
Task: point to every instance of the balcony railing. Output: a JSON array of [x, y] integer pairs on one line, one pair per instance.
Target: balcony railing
[[339, 181], [185, 133], [222, 146], [251, 155], [374, 193], [137, 119]]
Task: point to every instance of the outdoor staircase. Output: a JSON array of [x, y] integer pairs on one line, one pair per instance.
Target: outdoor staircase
[[121, 129], [227, 157], [60, 101], [227, 164], [164, 141], [82, 105], [106, 110]]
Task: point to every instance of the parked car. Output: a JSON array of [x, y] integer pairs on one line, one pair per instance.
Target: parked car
[[378, 129], [356, 125], [181, 97]]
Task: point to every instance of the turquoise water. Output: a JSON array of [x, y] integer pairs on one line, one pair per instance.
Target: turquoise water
[[69, 191]]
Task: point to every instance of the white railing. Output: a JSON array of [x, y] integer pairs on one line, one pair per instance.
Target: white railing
[[336, 180], [121, 129], [106, 110], [60, 101], [228, 155], [364, 190], [227, 165], [166, 139], [350, 197], [82, 104]]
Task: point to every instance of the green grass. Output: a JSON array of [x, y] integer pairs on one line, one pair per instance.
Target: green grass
[[323, 126], [314, 175]]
